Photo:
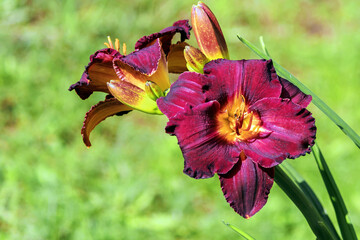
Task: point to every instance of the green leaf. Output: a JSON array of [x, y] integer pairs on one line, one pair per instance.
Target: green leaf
[[240, 232], [297, 189], [346, 227], [315, 99]]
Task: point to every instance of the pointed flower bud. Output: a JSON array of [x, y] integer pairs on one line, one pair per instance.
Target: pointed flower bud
[[153, 90], [195, 59], [208, 32]]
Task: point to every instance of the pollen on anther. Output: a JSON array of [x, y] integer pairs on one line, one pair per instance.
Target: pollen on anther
[[117, 45], [124, 49], [110, 42]]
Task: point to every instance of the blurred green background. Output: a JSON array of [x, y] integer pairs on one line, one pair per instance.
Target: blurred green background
[[129, 184]]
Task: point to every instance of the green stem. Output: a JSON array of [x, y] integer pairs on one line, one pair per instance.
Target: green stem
[[346, 227], [306, 201], [316, 100]]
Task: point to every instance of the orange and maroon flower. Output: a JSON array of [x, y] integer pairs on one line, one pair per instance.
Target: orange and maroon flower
[[239, 120], [132, 81]]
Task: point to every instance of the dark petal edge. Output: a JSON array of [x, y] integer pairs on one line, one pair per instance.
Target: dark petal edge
[[254, 79], [292, 92], [145, 61], [166, 35], [292, 128], [84, 87]]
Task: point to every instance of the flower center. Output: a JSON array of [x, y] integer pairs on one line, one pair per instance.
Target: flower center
[[109, 44], [235, 122]]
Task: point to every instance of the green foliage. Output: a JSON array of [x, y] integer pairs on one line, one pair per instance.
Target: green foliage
[[129, 184]]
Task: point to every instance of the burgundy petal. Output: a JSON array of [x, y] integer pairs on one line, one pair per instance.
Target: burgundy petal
[[254, 79], [144, 61], [292, 92], [99, 113], [97, 73], [204, 151], [166, 35], [292, 132], [247, 186], [186, 90]]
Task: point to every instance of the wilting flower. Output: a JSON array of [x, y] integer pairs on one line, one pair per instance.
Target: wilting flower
[[131, 81], [239, 120]]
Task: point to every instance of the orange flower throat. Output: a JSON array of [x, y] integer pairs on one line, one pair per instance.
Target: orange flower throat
[[235, 122]]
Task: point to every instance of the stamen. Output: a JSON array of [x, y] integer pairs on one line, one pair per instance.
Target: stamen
[[117, 45], [250, 122], [110, 42], [124, 49], [237, 123]]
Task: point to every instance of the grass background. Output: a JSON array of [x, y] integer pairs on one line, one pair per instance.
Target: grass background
[[129, 184]]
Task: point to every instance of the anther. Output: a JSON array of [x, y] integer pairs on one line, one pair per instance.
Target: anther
[[124, 49], [110, 42], [117, 45]]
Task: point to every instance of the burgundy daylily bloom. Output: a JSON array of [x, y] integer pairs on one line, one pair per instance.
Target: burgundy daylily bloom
[[239, 120], [124, 77]]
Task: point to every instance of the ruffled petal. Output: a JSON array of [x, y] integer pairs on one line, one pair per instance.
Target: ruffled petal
[[166, 35], [247, 186], [186, 90], [99, 113], [140, 66], [254, 79], [204, 151], [176, 59], [144, 61], [292, 132], [97, 73], [292, 92]]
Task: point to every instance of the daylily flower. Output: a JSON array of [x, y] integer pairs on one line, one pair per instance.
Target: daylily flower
[[131, 81], [239, 120]]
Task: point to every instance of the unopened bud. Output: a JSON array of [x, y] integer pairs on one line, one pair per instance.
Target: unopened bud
[[208, 33], [195, 59], [153, 90]]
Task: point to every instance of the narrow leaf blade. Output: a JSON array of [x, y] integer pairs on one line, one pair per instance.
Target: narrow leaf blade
[[240, 232], [342, 215]]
